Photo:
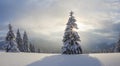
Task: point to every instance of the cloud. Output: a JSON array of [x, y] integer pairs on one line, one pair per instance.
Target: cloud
[[45, 20]]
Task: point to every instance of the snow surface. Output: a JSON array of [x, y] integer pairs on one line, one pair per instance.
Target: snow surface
[[40, 59]]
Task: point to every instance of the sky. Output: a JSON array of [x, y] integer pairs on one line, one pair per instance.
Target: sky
[[45, 20]]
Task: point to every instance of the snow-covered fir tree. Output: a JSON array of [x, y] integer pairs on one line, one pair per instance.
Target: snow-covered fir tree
[[32, 48], [71, 39], [25, 42], [11, 45], [19, 41], [117, 46]]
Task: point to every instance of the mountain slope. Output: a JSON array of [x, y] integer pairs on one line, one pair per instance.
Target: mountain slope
[[40, 59]]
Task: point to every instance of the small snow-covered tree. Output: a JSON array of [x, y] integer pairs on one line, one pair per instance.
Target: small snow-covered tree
[[19, 41], [71, 38], [11, 45], [38, 51], [117, 46], [25, 43], [32, 48]]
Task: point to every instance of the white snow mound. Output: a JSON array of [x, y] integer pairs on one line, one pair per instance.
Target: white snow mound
[[40, 59]]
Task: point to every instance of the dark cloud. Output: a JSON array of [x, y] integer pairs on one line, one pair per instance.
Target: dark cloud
[[10, 9]]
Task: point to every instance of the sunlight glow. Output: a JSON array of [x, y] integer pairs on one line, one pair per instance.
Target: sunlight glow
[[76, 30], [83, 27]]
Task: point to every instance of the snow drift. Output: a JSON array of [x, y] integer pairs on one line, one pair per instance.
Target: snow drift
[[40, 59]]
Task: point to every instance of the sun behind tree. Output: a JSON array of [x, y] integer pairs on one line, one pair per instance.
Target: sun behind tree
[[71, 38]]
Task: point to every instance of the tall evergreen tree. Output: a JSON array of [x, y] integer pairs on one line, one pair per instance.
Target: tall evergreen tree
[[117, 47], [71, 38], [11, 45], [19, 41], [26, 43]]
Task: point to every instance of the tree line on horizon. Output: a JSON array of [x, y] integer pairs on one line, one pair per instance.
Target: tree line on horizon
[[17, 44]]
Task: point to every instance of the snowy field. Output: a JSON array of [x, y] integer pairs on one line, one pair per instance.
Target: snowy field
[[40, 59]]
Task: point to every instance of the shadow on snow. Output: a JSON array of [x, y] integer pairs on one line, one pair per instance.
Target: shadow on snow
[[67, 60]]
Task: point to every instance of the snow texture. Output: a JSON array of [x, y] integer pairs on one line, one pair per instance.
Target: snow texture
[[40, 59]]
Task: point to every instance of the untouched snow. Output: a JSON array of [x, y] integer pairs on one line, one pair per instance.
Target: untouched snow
[[40, 59]]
